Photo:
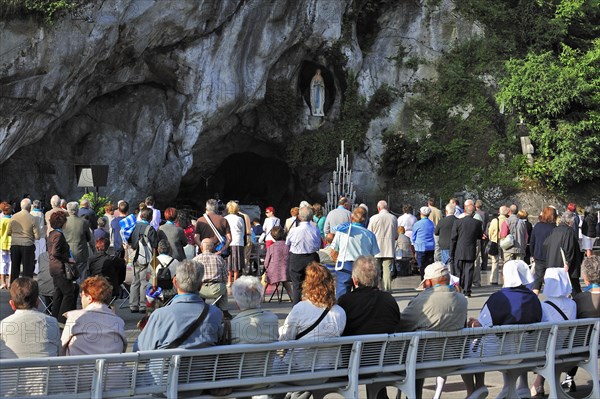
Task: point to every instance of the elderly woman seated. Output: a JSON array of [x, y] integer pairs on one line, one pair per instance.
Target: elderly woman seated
[[252, 325], [94, 329]]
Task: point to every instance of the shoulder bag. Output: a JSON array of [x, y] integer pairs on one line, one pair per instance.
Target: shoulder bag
[[186, 334], [312, 327], [222, 240]]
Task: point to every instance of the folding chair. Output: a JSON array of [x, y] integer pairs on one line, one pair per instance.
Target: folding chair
[[128, 280], [125, 301], [46, 303], [279, 288], [45, 282]]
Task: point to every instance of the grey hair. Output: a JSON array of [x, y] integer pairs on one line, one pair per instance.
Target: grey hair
[[164, 247], [567, 218], [36, 204], [382, 205], [72, 207], [365, 271], [305, 214], [468, 202], [450, 209], [590, 268], [189, 274], [212, 205], [55, 201], [588, 209], [247, 292], [26, 204], [503, 210], [514, 209], [85, 203]]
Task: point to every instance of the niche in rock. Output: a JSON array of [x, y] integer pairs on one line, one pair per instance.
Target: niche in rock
[[307, 71]]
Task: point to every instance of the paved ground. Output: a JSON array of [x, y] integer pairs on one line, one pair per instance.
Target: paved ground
[[403, 292]]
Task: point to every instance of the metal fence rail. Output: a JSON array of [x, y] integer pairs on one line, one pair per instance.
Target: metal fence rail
[[333, 365]]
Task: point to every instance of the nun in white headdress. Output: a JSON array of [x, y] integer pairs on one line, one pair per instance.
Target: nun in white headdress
[[557, 307], [515, 303], [557, 287]]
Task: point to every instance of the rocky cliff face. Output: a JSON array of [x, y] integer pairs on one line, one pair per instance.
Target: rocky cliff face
[[172, 95]]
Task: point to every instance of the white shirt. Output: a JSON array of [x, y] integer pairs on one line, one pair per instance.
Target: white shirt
[[155, 218], [268, 225], [303, 315], [407, 220], [236, 226]]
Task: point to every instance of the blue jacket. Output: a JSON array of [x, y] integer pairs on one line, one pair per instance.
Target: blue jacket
[[422, 236], [167, 324]]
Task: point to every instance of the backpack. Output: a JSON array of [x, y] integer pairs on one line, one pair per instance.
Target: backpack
[[143, 254], [163, 277]]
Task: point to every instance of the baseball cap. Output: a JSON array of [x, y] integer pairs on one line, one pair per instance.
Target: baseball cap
[[435, 270]]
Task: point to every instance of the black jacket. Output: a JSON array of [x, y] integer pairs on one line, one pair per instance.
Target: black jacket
[[465, 233], [563, 237]]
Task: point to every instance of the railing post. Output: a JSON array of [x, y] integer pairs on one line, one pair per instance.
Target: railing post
[[172, 378], [98, 379], [353, 367]]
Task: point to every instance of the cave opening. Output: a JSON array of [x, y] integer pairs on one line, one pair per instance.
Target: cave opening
[[247, 177]]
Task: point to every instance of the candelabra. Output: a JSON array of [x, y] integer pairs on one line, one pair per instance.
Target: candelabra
[[341, 183]]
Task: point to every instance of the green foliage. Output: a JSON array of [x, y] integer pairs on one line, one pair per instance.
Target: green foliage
[[46, 9], [97, 203], [558, 97], [545, 55], [281, 102], [452, 148], [317, 149]]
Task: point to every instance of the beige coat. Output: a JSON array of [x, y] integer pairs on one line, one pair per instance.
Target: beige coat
[[385, 227]]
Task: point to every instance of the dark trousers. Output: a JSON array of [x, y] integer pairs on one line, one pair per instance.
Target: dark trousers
[[64, 297], [540, 270], [483, 254], [21, 254], [464, 268], [424, 259], [298, 263]]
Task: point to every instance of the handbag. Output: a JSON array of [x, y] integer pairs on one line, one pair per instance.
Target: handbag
[[71, 271], [491, 248], [507, 242]]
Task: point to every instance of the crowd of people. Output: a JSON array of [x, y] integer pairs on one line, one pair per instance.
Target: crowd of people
[[337, 269]]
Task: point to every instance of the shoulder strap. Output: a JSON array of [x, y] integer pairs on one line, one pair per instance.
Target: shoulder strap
[[190, 329], [315, 324], [214, 229], [145, 233], [564, 316]]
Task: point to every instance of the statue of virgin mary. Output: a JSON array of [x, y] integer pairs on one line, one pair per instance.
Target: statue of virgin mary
[[317, 94]]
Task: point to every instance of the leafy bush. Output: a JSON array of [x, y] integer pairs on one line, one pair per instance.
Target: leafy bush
[[46, 9], [558, 98], [97, 203], [545, 56]]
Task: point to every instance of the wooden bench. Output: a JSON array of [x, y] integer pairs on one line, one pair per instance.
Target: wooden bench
[[335, 365]]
